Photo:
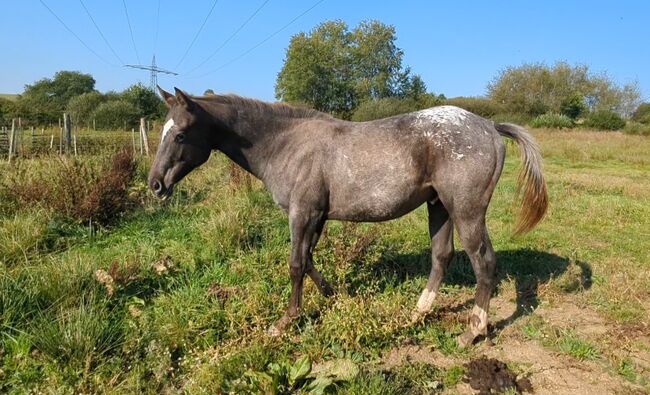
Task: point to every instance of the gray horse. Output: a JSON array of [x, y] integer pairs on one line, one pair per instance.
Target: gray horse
[[319, 168]]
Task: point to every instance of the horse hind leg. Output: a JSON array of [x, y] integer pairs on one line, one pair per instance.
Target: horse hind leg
[[476, 242], [441, 232], [321, 283]]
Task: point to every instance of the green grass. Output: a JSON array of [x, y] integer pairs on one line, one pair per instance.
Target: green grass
[[196, 282]]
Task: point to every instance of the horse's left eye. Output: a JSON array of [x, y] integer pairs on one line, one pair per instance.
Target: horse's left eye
[[179, 138]]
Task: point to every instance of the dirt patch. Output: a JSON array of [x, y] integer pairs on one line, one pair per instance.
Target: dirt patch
[[415, 354], [489, 375]]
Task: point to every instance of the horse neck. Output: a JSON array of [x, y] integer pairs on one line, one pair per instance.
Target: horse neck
[[251, 136]]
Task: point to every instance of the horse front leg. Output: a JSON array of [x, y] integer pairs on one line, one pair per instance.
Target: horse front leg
[[304, 223]]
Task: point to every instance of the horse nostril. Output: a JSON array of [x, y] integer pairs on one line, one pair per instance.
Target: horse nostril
[[156, 186]]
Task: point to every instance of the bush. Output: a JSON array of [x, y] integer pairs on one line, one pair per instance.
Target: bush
[[642, 113], [82, 107], [604, 120], [482, 106], [389, 106], [116, 114], [519, 119], [552, 120], [573, 106], [77, 190], [637, 128]]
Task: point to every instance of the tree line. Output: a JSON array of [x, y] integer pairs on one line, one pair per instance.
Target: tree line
[[43, 102], [358, 74]]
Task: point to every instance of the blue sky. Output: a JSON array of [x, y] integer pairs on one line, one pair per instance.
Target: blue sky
[[457, 47]]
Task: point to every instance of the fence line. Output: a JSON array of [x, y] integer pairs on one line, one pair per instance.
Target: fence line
[[71, 140]]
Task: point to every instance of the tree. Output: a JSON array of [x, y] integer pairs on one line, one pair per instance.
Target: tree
[[144, 100], [115, 114], [642, 113], [45, 100], [81, 107], [534, 89], [8, 110], [317, 70], [334, 69]]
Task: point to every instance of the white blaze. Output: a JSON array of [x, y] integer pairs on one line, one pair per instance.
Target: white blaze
[[168, 125]]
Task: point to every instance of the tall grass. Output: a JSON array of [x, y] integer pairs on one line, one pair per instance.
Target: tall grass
[[197, 280]]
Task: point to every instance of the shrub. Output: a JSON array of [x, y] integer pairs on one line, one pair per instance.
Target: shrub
[[604, 120], [552, 120], [482, 106], [78, 190], [642, 113], [389, 106], [637, 128], [573, 106], [115, 114], [519, 119], [81, 107]]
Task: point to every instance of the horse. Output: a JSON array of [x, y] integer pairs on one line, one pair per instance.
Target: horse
[[321, 168]]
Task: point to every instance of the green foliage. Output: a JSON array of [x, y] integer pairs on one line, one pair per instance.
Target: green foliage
[[482, 106], [8, 110], [573, 106], [145, 100], [78, 335], [641, 129], [284, 377], [536, 88], [116, 114], [389, 106], [576, 347], [552, 120], [333, 69], [46, 99], [604, 120], [81, 107], [642, 114]]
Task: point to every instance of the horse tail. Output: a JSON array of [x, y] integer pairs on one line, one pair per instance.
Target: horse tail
[[530, 180]]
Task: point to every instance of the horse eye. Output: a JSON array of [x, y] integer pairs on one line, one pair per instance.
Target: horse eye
[[179, 138]]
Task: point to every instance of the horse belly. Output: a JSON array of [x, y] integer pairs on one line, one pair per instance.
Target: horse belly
[[371, 193]]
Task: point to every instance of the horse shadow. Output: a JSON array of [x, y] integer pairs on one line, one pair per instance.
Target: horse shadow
[[530, 269]]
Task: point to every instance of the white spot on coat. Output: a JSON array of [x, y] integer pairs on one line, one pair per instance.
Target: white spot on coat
[[442, 115], [168, 125]]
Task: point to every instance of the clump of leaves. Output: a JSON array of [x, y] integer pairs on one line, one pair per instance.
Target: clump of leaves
[[285, 377]]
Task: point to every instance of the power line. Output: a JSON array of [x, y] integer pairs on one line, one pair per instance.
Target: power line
[[251, 49], [155, 40], [197, 34], [100, 32], [130, 31], [75, 35], [223, 44]]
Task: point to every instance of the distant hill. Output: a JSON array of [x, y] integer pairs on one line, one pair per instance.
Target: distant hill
[[9, 96]]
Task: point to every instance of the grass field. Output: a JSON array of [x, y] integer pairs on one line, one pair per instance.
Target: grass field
[[176, 298]]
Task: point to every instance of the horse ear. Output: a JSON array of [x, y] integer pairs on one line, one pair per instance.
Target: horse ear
[[184, 99], [167, 97]]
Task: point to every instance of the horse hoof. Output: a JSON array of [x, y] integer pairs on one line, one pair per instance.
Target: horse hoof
[[417, 316], [273, 331], [466, 339]]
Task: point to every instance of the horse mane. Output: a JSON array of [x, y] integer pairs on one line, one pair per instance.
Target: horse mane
[[277, 108]]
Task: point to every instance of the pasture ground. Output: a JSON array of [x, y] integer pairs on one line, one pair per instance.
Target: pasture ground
[[176, 297]]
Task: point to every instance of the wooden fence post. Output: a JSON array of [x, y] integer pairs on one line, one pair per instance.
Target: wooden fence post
[[12, 139], [143, 136], [67, 125], [133, 140]]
